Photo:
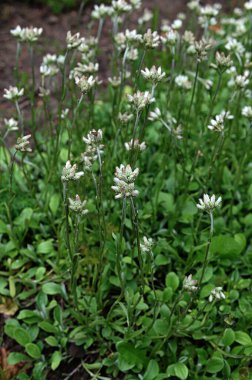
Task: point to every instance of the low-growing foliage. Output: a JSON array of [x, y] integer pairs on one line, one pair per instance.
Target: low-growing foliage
[[117, 258]]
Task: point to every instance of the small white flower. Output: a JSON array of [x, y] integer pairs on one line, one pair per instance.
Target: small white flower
[[170, 37], [64, 113], [247, 112], [124, 182], [248, 5], [147, 16], [155, 115], [120, 7], [125, 117], [23, 144], [217, 294], [183, 82], [154, 74], [151, 40], [136, 4], [11, 124], [132, 54], [85, 83], [194, 5], [73, 40], [78, 206], [101, 11], [217, 124], [136, 145], [115, 81], [177, 24], [208, 203], [234, 46], [189, 284], [69, 173], [242, 81], [140, 100], [13, 93], [27, 35], [146, 245]]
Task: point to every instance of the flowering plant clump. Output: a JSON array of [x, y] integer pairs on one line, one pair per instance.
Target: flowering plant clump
[[150, 274]]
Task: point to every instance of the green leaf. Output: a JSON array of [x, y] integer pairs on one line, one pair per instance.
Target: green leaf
[[172, 280], [243, 338], [225, 246], [21, 336], [179, 370], [161, 326], [52, 341], [129, 356], [54, 203], [45, 246], [56, 359], [16, 357], [228, 337], [51, 288], [214, 365], [33, 350], [48, 327], [152, 370]]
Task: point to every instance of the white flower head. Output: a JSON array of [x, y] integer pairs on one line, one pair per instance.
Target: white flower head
[[85, 83], [73, 40], [151, 40], [155, 115], [234, 46], [209, 203], [177, 24], [147, 16], [183, 81], [11, 124], [125, 117], [78, 206], [217, 124], [242, 81], [23, 144], [154, 74], [147, 245], [136, 4], [124, 182], [101, 11], [170, 37], [27, 35], [247, 112], [248, 5], [140, 100], [216, 294], [135, 144], [189, 284], [69, 173], [13, 93], [120, 7]]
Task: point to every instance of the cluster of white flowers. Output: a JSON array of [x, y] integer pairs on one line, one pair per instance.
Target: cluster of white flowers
[[216, 294], [209, 203], [86, 84], [146, 245], [217, 124], [135, 144], [26, 35], [70, 173], [23, 144], [13, 93], [154, 74], [94, 148], [73, 41], [125, 117], [11, 124], [151, 40], [189, 284], [78, 206], [125, 182], [101, 11], [183, 81], [140, 100], [51, 65], [247, 112]]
